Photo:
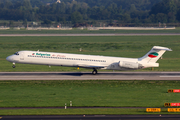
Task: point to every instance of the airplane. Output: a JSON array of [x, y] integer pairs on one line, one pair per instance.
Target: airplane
[[89, 61]]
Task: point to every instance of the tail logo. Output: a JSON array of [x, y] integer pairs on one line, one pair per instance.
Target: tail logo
[[153, 55]]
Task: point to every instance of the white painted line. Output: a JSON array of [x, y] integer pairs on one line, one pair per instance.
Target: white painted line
[[169, 76]]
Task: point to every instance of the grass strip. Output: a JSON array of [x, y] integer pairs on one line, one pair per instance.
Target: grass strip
[[87, 93]]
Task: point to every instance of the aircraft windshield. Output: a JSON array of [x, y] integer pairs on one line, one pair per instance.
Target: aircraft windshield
[[16, 53]]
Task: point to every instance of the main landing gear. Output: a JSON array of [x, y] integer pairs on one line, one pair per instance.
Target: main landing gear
[[94, 72], [13, 65]]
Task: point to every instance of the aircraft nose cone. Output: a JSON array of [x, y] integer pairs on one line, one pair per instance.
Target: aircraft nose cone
[[9, 58]]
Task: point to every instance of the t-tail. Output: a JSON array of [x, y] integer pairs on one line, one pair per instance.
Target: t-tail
[[150, 59]]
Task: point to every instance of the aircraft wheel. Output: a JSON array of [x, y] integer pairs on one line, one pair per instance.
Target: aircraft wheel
[[94, 72], [13, 66]]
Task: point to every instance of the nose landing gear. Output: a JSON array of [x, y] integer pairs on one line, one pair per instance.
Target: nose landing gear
[[94, 72], [13, 65]]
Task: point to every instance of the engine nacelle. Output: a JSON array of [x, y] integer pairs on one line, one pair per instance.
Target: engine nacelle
[[130, 65]]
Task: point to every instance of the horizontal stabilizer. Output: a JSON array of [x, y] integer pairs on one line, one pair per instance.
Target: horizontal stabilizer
[[161, 48]]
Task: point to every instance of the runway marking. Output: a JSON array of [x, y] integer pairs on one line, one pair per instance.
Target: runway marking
[[99, 115], [169, 76]]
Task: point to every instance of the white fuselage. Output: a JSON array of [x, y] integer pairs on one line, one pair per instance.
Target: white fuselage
[[89, 61], [74, 60]]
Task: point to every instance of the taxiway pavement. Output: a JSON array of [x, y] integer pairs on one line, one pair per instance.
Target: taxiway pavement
[[89, 76], [94, 117], [104, 34]]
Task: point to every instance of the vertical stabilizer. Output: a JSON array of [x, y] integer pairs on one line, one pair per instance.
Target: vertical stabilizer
[[154, 54]]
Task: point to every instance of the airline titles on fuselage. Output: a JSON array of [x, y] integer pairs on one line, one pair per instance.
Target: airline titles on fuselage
[[40, 54]]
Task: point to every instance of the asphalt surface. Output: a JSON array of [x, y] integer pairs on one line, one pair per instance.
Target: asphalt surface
[[89, 76], [94, 117], [108, 34]]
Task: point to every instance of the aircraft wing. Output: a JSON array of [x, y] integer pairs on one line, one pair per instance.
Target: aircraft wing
[[90, 66]]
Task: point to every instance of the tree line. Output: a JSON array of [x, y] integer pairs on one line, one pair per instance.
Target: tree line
[[82, 11]]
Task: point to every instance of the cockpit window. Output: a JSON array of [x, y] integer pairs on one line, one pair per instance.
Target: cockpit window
[[16, 53]]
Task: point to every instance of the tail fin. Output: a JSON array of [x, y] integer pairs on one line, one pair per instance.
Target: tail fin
[[154, 54]]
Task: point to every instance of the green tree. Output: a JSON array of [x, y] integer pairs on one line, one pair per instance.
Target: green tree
[[5, 23], [132, 8], [165, 7], [27, 5], [126, 18], [53, 8], [161, 17], [11, 23], [25, 22], [62, 7], [76, 17], [178, 15], [46, 21], [172, 8], [8, 4]]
